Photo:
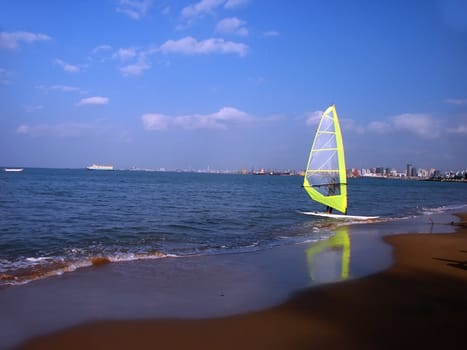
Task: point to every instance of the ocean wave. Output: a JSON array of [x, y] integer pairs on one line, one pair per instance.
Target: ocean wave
[[28, 269], [35, 268], [442, 209]]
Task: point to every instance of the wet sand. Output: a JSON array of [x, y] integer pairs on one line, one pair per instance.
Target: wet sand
[[421, 302]]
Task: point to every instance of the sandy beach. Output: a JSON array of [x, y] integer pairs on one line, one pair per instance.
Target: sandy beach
[[420, 301]]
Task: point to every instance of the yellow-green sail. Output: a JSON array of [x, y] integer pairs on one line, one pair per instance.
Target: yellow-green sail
[[325, 178]]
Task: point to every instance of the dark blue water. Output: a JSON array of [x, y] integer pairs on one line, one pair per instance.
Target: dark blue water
[[57, 220]]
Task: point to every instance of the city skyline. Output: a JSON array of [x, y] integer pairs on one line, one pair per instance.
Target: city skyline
[[260, 169], [217, 83]]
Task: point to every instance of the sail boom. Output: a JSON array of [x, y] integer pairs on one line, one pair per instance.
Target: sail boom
[[324, 185]]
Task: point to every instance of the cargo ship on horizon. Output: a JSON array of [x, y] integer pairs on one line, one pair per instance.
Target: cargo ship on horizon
[[13, 170], [100, 167]]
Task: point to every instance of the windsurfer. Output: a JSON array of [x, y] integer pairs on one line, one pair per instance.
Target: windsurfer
[[332, 187]]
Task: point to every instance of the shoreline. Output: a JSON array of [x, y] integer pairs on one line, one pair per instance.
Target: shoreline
[[184, 288], [419, 301]]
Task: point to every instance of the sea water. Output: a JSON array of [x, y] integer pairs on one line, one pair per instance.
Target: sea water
[[58, 220]]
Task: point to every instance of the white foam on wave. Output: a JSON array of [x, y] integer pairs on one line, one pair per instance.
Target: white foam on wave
[[121, 257], [312, 240], [39, 259], [442, 209], [16, 275], [252, 245], [34, 268]]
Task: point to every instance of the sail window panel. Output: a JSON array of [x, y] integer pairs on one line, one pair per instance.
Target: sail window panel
[[324, 160], [325, 141], [327, 124]]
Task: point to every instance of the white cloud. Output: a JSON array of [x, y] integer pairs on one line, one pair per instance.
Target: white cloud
[[125, 54], [380, 127], [135, 9], [200, 8], [313, 118], [135, 60], [418, 124], [23, 129], [456, 101], [62, 129], [135, 69], [421, 125], [231, 4], [271, 33], [197, 10], [208, 6], [232, 26], [65, 88], [352, 125], [12, 40], [67, 67], [61, 88], [191, 46], [100, 53], [155, 121], [219, 120], [461, 129], [4, 76], [101, 48], [95, 100]]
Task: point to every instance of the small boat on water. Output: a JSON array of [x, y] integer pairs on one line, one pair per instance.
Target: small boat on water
[[100, 167], [13, 170]]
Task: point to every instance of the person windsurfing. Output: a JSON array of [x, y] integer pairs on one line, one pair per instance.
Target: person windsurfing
[[332, 187]]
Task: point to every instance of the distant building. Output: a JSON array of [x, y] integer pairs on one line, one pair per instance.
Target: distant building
[[434, 173], [355, 172], [409, 170], [422, 173], [379, 171]]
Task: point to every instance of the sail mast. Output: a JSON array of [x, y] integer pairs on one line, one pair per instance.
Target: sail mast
[[325, 179]]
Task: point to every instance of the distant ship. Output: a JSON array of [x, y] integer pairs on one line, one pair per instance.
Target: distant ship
[[13, 170], [100, 167]]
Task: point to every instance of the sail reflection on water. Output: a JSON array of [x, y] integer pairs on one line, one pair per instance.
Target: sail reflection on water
[[321, 257]]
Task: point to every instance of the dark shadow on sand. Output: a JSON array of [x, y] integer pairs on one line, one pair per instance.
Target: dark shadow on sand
[[455, 263]]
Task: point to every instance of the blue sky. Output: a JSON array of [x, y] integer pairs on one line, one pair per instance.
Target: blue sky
[[228, 84]]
